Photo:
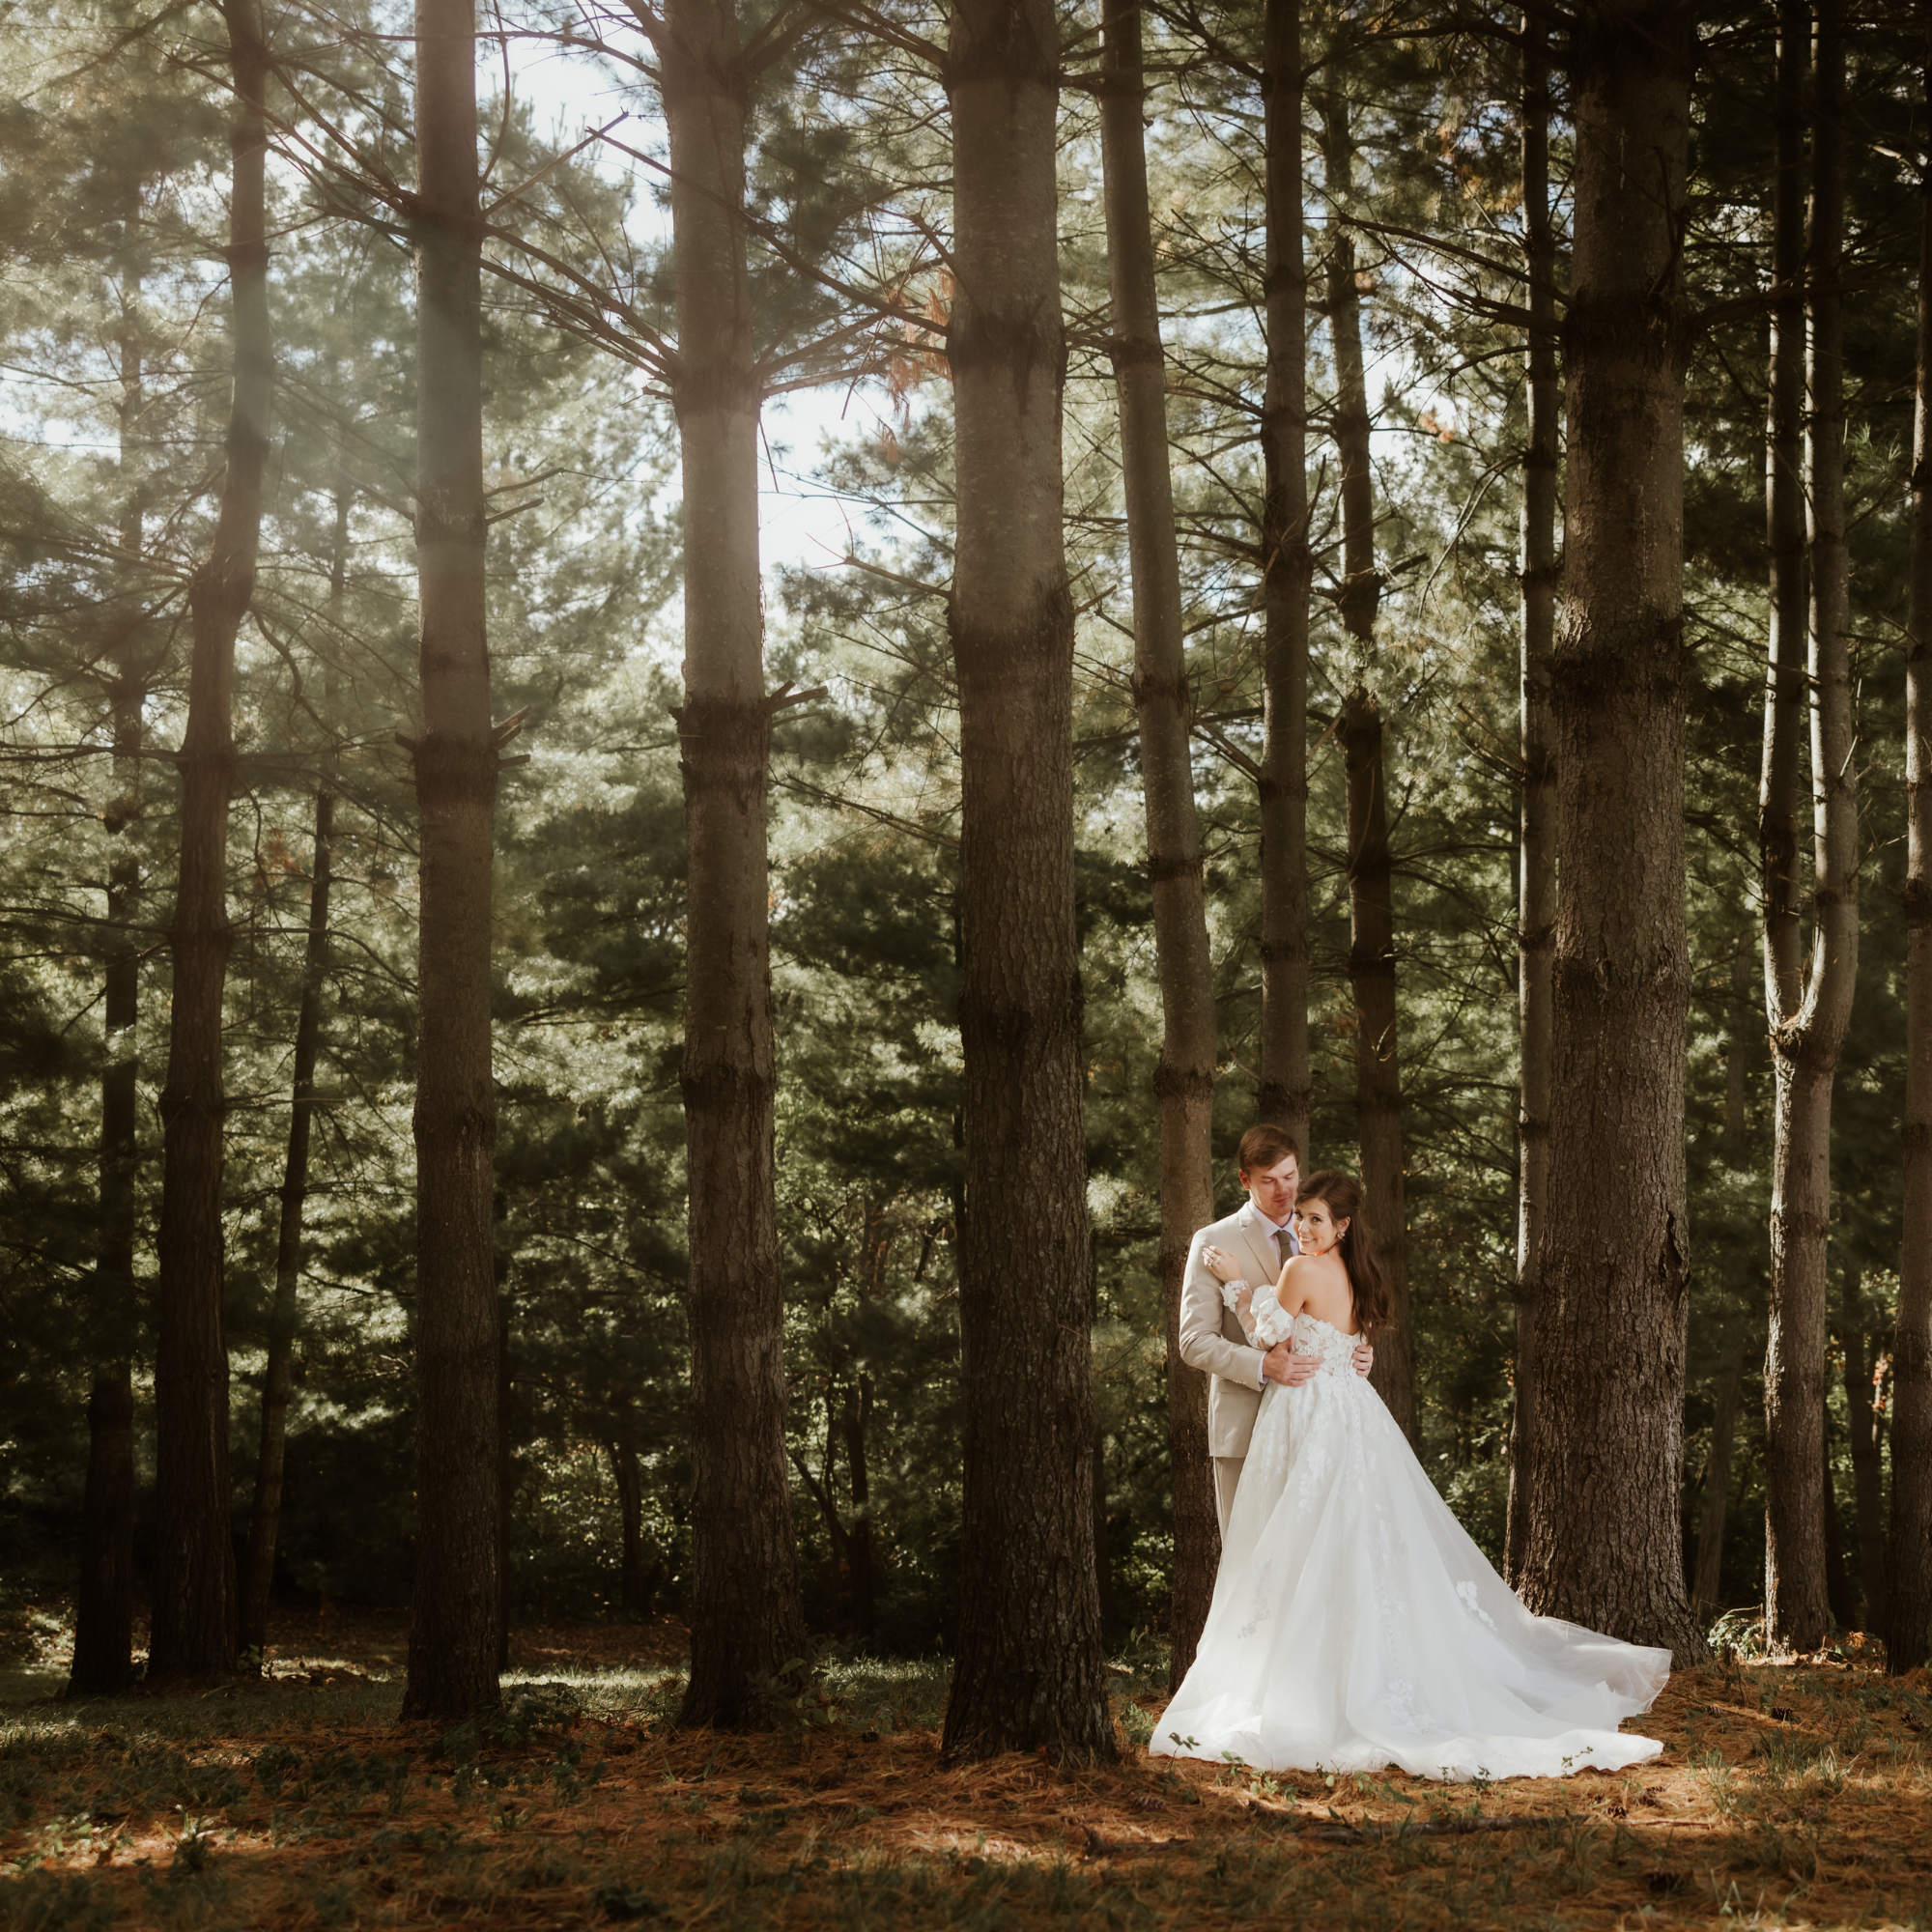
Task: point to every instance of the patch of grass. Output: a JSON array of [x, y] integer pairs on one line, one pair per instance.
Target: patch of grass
[[55, 1901], [1785, 1754], [889, 1696], [1136, 1724]]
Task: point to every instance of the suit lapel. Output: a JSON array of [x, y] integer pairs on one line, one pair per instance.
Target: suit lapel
[[1257, 1244]]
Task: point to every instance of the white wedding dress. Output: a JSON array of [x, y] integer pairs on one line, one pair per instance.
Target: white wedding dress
[[1355, 1625]]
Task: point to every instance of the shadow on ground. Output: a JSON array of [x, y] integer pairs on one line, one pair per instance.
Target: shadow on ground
[[1797, 1796]]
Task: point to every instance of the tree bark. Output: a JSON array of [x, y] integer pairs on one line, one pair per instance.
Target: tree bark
[[193, 1627], [1743, 1030], [624, 1468], [859, 1556], [1908, 1630], [1372, 977], [1866, 1474], [285, 1315], [506, 1383], [1806, 1037], [453, 1629], [1801, 1501], [1784, 520], [1709, 1561], [1184, 1078], [1605, 1546], [836, 1535], [104, 1623], [1028, 1671], [1535, 881], [1838, 1597], [258, 1568], [1286, 1093], [103, 1612], [1103, 1555], [745, 1617]]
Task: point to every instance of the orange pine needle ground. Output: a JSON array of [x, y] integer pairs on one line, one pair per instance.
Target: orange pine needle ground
[[1794, 1796]]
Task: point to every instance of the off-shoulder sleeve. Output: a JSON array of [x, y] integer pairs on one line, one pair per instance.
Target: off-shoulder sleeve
[[1271, 1323]]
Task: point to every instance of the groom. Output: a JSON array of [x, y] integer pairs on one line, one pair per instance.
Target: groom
[[1259, 1236]]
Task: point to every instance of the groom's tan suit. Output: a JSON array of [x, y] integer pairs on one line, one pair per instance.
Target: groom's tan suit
[[1211, 1341]]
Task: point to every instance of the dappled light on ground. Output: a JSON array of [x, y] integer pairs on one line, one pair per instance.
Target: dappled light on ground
[[1799, 1796]]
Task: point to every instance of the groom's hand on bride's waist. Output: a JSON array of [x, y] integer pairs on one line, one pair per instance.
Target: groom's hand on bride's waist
[[1281, 1364]]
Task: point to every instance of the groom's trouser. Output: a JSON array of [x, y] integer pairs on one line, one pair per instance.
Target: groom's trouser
[[1226, 1473]]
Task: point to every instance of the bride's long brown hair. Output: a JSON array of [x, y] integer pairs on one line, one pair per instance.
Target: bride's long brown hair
[[1342, 1194]]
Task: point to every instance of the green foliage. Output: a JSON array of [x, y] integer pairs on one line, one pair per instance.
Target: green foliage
[[110, 218]]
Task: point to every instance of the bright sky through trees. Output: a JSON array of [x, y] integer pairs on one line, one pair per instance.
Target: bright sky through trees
[[802, 521]]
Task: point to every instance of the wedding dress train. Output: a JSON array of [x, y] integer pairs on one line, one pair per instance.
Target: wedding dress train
[[1355, 1625]]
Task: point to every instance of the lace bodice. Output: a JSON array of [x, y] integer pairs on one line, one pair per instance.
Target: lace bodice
[[1312, 1335], [1335, 1350]]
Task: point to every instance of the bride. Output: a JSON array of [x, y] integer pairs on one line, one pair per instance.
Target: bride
[[1355, 1625]]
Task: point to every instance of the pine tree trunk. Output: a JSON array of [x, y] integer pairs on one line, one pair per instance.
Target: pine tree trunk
[[1780, 865], [453, 1629], [285, 1315], [745, 1622], [1807, 1038], [1103, 1555], [1839, 1598], [859, 1550], [258, 1567], [1028, 1671], [1866, 1474], [1784, 522], [104, 1623], [194, 1610], [631, 1521], [1710, 1560], [103, 1612], [1536, 889], [506, 1465], [1371, 862], [1604, 1544], [1286, 1093], [1742, 1028], [1185, 1079], [838, 1539], [1908, 1630]]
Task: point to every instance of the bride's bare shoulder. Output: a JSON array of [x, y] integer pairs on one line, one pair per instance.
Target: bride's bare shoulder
[[1297, 1276]]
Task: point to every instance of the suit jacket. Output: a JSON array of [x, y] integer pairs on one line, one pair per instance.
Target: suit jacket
[[1210, 1336]]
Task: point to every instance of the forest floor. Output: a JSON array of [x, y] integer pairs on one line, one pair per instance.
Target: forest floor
[[1794, 1796]]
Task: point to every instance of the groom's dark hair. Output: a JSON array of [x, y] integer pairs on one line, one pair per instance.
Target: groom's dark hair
[[1262, 1145]]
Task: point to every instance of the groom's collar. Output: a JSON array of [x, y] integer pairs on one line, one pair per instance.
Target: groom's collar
[[1256, 1219]]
